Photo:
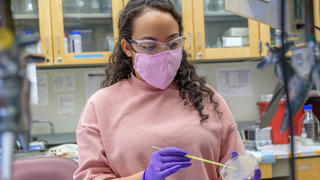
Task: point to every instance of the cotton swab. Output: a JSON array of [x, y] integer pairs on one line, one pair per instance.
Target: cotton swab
[[204, 160]]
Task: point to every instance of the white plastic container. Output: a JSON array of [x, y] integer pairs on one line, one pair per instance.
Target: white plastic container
[[31, 48], [75, 42], [39, 46]]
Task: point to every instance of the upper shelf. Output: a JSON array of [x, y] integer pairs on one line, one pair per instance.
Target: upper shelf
[[221, 16], [88, 15], [69, 15], [25, 16]]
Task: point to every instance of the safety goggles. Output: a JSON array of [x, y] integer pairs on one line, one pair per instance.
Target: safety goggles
[[154, 47]]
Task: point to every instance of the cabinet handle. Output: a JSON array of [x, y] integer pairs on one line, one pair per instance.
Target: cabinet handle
[[200, 39], [260, 46], [190, 40], [47, 44], [58, 44]]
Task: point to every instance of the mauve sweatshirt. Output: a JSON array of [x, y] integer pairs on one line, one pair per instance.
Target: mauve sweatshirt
[[120, 123]]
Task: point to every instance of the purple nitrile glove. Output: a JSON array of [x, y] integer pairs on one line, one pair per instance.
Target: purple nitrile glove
[[166, 162], [257, 172]]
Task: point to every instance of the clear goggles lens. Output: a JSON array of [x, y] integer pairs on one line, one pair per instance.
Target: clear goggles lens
[[154, 47]]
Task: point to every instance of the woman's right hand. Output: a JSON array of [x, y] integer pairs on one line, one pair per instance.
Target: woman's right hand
[[166, 162]]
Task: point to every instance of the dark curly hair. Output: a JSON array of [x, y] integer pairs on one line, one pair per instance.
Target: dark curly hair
[[192, 88]]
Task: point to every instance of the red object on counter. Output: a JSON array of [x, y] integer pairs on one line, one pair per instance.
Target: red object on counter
[[277, 136]]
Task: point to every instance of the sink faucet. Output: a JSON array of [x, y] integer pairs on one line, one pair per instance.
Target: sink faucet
[[45, 121]]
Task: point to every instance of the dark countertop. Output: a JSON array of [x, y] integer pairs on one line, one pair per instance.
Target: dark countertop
[[56, 138]]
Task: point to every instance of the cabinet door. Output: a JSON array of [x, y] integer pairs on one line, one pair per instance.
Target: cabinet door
[[28, 23], [307, 168], [220, 34], [84, 31], [317, 17], [185, 9], [273, 36]]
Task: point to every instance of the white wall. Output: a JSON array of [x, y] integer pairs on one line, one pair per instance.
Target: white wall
[[244, 108]]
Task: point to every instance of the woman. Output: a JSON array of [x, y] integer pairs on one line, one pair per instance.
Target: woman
[[153, 97]]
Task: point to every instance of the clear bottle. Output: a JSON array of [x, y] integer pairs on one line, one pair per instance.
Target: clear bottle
[[65, 39], [31, 48], [39, 46], [310, 124], [277, 37]]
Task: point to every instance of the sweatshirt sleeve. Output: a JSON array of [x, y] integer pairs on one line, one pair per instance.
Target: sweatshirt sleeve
[[230, 137], [93, 163]]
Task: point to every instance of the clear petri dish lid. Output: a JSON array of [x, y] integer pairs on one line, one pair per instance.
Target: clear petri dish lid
[[243, 166]]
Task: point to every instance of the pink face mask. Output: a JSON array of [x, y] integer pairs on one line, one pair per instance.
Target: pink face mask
[[159, 69]]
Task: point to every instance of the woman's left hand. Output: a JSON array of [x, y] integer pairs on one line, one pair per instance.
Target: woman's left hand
[[257, 172]]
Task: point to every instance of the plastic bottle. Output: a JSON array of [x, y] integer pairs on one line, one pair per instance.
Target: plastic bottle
[[310, 124], [65, 43], [32, 48], [75, 41], [277, 37], [39, 46]]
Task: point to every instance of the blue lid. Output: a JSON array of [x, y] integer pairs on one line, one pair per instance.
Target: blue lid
[[75, 32], [28, 32], [307, 107]]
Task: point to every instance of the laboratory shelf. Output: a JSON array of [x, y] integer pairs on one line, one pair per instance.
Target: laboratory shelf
[[88, 15], [25, 16], [220, 16]]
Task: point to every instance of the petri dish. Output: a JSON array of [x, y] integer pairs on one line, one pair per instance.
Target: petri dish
[[243, 167]]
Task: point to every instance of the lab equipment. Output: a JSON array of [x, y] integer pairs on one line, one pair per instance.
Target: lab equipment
[[64, 150], [75, 42], [15, 118], [310, 124], [276, 120], [291, 17], [37, 146], [268, 12], [263, 136], [245, 166], [159, 168]]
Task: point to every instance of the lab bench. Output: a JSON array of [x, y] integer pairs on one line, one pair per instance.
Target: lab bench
[[307, 162]]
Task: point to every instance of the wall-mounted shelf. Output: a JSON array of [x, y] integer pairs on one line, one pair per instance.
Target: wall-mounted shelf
[[25, 16], [88, 16], [221, 16]]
